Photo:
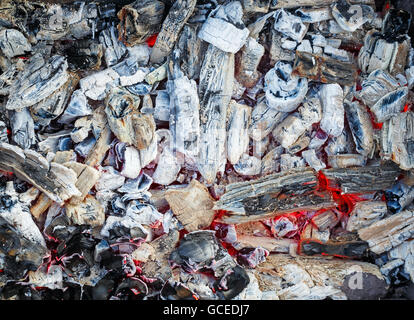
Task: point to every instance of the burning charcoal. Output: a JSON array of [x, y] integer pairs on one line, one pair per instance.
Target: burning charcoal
[[215, 90], [81, 130], [52, 107], [158, 267], [399, 196], [184, 110], [343, 144], [324, 69], [178, 15], [157, 75], [390, 104], [277, 52], [237, 131], [94, 86], [318, 139], [267, 243], [235, 194], [248, 165], [355, 249], [396, 140], [313, 15], [364, 179], [288, 162], [296, 124], [99, 147], [114, 50], [131, 161], [312, 159], [193, 50], [136, 186], [201, 249], [3, 132], [346, 160], [85, 147], [232, 283], [377, 53], [263, 120], [13, 43], [22, 241], [289, 25], [37, 81], [86, 179], [139, 20], [126, 122], [332, 121], [224, 28], [78, 107], [87, 212], [84, 55], [396, 25], [22, 128], [295, 273], [313, 234], [57, 181], [249, 59], [300, 144], [381, 237], [130, 289], [351, 17], [378, 84], [325, 220], [168, 165], [271, 161], [192, 206], [284, 91], [162, 106], [361, 127], [51, 278], [366, 213], [252, 6], [176, 291]]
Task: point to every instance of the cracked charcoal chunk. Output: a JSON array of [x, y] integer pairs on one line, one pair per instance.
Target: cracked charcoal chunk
[[57, 181], [139, 20], [193, 205], [284, 91], [324, 69], [289, 25], [376, 86], [353, 249], [237, 131], [361, 127], [351, 17], [377, 53], [247, 62], [296, 124], [184, 109], [13, 43], [390, 104], [224, 28], [396, 25], [332, 97], [178, 15], [215, 91], [126, 122], [37, 81], [397, 136], [53, 106], [22, 128]]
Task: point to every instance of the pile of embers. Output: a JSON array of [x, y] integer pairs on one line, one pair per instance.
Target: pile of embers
[[210, 149]]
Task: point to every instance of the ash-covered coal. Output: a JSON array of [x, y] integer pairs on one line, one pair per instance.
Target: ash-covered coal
[[206, 149]]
